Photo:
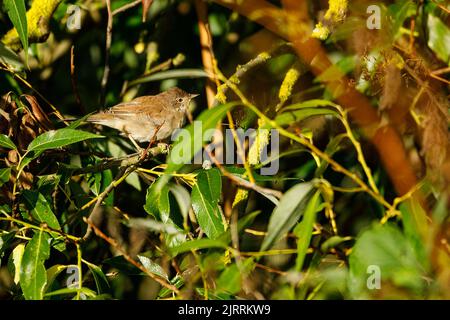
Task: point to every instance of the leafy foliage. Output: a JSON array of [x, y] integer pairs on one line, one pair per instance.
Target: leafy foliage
[[354, 120]]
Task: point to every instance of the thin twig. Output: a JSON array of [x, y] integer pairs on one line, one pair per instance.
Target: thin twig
[[126, 7], [123, 173], [73, 78], [107, 48], [126, 161], [116, 245]]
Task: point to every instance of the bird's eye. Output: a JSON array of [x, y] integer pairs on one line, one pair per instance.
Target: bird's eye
[[180, 100]]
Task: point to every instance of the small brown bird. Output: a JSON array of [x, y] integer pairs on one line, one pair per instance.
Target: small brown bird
[[147, 118]]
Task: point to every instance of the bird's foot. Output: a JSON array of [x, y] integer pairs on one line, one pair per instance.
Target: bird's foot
[[164, 147]]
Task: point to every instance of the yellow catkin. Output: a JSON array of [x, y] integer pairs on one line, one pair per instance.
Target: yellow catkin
[[336, 12], [241, 195], [261, 141], [320, 32], [220, 96], [288, 83]]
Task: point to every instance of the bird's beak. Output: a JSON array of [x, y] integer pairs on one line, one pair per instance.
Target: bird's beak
[[193, 95]]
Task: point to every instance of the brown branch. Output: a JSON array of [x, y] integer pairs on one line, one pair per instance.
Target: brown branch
[[73, 79], [116, 245], [207, 50]]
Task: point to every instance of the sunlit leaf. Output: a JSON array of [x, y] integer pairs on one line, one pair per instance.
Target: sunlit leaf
[[59, 138], [33, 276], [17, 13], [6, 142], [153, 267], [205, 197], [439, 38]]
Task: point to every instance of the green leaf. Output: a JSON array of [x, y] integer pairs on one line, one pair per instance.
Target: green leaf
[[52, 273], [100, 279], [5, 173], [17, 13], [83, 291], [400, 11], [171, 74], [153, 267], [230, 280], [289, 117], [157, 201], [59, 138], [15, 261], [196, 245], [40, 208], [78, 122], [5, 241], [192, 139], [158, 205], [332, 147], [183, 199], [10, 58], [121, 264], [205, 198], [287, 213], [304, 230], [33, 276], [439, 38], [6, 142], [154, 226], [385, 247], [333, 242]]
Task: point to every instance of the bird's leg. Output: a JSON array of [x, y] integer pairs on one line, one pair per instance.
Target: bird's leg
[[138, 148], [152, 141]]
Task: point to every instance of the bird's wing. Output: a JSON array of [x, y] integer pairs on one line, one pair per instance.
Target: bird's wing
[[137, 108]]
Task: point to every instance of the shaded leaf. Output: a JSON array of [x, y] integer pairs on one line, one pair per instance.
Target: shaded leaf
[[230, 280], [385, 247], [5, 241], [183, 199], [99, 277], [287, 213], [333, 242], [5, 173], [197, 244], [9, 57], [305, 228], [40, 208]]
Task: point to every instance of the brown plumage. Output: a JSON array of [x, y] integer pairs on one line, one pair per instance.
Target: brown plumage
[[141, 117]]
